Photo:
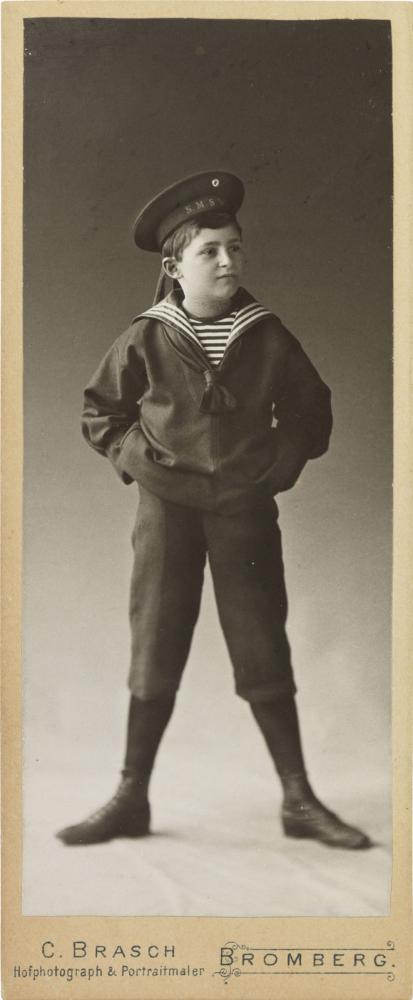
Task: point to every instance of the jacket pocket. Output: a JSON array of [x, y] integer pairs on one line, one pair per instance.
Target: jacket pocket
[[290, 451], [134, 452]]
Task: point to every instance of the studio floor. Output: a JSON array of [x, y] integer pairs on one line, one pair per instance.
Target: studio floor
[[217, 846]]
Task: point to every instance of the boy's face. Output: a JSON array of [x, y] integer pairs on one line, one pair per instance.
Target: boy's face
[[211, 265]]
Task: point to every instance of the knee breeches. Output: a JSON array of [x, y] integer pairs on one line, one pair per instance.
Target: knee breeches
[[171, 543]]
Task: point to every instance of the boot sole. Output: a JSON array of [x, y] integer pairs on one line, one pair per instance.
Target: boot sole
[[76, 837], [103, 840]]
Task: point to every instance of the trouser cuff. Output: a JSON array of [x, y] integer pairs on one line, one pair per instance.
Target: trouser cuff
[[269, 693]]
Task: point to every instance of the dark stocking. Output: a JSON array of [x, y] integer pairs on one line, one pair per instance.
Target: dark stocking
[[278, 722], [302, 813], [147, 722], [127, 814]]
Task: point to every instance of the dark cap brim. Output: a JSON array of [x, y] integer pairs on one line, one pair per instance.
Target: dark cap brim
[[214, 190]]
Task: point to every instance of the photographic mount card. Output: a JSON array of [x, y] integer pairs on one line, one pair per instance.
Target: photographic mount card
[[105, 103]]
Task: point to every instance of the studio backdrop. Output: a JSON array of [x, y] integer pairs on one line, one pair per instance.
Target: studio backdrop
[[115, 110]]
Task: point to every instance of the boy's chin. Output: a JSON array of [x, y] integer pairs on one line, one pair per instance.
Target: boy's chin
[[226, 289]]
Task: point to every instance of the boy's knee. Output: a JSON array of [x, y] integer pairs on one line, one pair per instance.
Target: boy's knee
[[266, 692]]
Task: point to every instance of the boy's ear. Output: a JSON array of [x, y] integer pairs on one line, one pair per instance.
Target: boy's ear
[[171, 267]]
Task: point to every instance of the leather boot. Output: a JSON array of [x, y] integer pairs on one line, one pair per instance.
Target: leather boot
[[127, 814], [302, 815], [313, 820]]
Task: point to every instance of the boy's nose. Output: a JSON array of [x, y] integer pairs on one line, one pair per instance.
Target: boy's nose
[[224, 258]]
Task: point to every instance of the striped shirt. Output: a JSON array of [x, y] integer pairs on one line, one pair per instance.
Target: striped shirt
[[213, 335]]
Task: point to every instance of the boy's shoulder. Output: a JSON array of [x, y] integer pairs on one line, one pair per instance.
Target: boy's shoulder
[[132, 334]]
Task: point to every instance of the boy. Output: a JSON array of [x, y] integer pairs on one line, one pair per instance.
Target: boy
[[184, 403]]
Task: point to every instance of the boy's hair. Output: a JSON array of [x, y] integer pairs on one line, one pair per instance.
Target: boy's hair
[[175, 243]]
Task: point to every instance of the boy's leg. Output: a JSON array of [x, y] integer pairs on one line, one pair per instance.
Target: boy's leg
[[245, 555], [127, 814], [303, 815], [165, 598], [166, 586]]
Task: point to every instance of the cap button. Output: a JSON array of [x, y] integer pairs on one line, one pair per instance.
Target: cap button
[[215, 182]]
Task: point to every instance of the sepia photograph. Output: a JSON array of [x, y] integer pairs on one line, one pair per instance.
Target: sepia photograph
[[207, 440]]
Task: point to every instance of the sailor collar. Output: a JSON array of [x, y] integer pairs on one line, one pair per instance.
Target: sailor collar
[[169, 311]]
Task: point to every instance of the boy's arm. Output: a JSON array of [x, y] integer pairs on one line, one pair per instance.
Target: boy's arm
[[304, 417], [111, 402]]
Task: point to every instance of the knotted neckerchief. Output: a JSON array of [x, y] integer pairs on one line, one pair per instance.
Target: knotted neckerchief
[[216, 398]]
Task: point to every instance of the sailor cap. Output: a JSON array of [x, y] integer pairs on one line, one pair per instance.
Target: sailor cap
[[215, 190]]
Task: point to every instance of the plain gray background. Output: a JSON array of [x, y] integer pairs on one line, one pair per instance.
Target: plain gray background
[[115, 110]]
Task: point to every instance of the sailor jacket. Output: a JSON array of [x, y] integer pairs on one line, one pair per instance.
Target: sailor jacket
[[216, 437]]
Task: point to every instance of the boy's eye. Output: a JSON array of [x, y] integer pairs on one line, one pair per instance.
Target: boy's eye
[[211, 251]]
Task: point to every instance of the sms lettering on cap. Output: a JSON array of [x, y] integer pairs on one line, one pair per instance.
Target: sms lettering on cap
[[187, 199]]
